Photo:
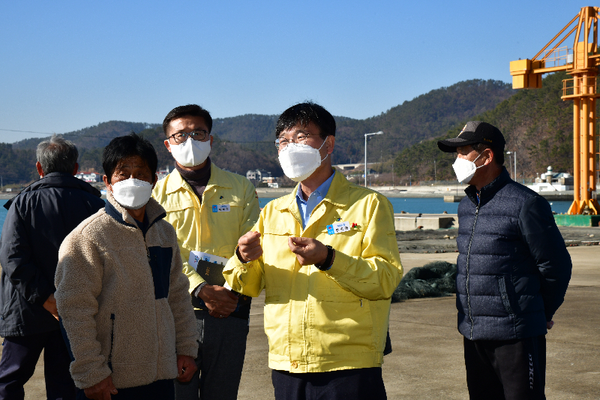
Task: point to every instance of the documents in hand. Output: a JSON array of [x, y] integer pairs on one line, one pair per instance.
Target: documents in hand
[[209, 266]]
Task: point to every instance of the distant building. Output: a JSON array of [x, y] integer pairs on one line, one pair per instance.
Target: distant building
[[258, 175], [269, 179], [350, 167], [89, 177], [552, 182], [162, 173]]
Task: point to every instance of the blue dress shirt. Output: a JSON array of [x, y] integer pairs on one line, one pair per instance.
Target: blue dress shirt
[[306, 207]]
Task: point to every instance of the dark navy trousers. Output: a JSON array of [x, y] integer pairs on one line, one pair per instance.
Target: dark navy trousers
[[20, 355], [158, 390], [347, 384], [510, 369], [221, 352]]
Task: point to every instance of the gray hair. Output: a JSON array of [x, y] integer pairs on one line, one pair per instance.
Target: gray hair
[[57, 155]]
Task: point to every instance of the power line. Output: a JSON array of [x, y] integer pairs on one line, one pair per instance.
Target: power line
[[75, 133], [16, 130]]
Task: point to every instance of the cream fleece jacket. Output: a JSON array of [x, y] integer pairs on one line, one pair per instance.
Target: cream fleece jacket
[[123, 299]]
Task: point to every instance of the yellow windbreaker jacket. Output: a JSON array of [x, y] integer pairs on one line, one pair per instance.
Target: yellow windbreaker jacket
[[337, 319], [198, 227]]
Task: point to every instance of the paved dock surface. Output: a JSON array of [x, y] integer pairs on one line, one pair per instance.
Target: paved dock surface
[[427, 360]]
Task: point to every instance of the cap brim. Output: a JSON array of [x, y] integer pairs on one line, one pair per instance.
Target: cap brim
[[450, 145]]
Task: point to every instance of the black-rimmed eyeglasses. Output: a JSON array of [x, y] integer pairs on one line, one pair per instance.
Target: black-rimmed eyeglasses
[[181, 137]]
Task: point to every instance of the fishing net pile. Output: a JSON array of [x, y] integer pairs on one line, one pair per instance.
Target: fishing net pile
[[435, 279]]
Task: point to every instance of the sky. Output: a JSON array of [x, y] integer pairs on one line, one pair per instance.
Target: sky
[[67, 65]]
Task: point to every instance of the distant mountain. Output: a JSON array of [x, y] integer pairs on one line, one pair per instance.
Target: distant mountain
[[249, 128], [537, 125], [427, 116], [94, 136], [246, 142]]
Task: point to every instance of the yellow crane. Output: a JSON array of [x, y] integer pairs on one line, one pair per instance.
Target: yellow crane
[[581, 62]]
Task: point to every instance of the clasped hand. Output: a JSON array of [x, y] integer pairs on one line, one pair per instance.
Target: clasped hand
[[220, 301]]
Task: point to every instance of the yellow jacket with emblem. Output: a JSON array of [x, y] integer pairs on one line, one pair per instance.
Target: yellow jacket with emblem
[[198, 227], [319, 321]]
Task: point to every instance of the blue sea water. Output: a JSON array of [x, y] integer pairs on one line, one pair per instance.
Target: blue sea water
[[3, 212], [436, 205], [409, 205]]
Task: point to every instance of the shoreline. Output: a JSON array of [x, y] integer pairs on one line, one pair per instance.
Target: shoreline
[[440, 191], [433, 191]]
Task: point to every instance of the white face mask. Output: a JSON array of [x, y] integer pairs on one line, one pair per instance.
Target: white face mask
[[299, 161], [191, 152], [465, 169], [132, 193]]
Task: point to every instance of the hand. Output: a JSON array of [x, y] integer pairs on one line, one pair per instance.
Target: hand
[[219, 301], [101, 390], [186, 367], [249, 248], [549, 325], [308, 251], [50, 306]]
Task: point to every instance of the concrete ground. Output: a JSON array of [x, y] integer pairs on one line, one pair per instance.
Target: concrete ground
[[427, 361]]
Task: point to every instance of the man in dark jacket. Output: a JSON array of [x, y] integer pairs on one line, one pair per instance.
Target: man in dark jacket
[[38, 220], [513, 270]]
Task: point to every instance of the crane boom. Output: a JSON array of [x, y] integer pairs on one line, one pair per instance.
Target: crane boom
[[581, 62]]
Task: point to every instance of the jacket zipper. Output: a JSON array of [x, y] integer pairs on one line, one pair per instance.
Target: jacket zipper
[[148, 257], [468, 271], [112, 340]]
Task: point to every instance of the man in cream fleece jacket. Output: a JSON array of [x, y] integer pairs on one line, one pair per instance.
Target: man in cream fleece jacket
[[120, 292]]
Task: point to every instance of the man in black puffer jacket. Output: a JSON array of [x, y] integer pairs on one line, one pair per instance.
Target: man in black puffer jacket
[[38, 220], [513, 270]]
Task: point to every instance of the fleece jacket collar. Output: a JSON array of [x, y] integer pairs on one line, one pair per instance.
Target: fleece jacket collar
[[154, 212]]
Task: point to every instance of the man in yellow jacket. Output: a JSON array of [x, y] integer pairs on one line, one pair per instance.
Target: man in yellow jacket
[[328, 259], [210, 209]]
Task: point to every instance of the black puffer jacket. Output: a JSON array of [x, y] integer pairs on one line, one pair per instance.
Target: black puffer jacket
[[38, 220], [513, 266]]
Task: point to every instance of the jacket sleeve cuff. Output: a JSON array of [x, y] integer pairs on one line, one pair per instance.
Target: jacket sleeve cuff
[[194, 277], [339, 261], [190, 351], [84, 381], [242, 277]]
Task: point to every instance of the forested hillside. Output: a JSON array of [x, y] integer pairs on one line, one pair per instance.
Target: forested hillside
[[536, 123], [246, 142], [16, 165], [427, 116]]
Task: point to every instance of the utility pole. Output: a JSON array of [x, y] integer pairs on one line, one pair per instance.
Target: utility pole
[[366, 135], [514, 160]]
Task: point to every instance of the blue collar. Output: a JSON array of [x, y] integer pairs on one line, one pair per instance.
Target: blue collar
[[306, 207]]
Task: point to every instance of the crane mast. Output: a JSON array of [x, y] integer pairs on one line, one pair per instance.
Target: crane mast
[[581, 62]]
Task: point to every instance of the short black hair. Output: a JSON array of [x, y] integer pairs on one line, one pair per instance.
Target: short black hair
[[127, 146], [57, 155], [498, 153], [304, 114], [191, 110]]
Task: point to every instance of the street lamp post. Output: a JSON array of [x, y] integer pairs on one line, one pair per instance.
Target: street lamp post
[[514, 163], [368, 134]]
